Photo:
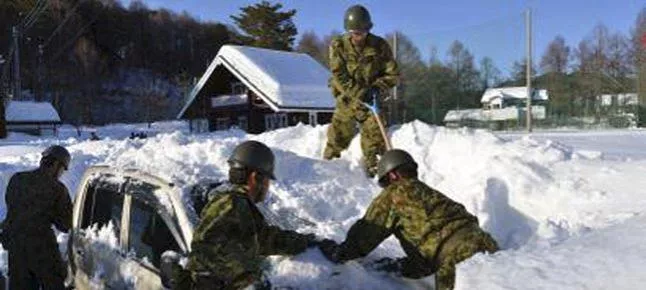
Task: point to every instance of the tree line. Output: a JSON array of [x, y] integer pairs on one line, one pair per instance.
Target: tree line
[[103, 62], [141, 62], [604, 62]]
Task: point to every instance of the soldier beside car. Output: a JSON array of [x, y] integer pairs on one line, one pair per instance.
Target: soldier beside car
[[35, 201]]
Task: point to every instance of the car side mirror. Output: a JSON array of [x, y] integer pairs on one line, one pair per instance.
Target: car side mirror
[[170, 262]]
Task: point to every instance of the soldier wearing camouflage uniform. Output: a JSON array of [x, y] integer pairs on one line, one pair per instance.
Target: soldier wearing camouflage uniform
[[233, 238], [36, 200], [362, 66], [435, 232]]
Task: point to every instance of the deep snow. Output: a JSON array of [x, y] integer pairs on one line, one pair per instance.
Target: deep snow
[[567, 207]]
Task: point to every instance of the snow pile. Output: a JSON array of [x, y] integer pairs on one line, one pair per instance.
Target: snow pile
[[550, 206]]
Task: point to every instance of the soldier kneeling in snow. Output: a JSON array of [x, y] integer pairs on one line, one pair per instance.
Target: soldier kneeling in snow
[[233, 237], [435, 232]]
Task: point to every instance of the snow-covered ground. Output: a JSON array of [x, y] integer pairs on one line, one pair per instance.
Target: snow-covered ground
[[567, 207]]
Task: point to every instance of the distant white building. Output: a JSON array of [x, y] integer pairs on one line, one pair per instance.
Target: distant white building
[[500, 104], [498, 98], [619, 100], [38, 118]]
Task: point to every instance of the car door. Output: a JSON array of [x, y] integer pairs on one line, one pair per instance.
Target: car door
[[97, 250], [152, 229]]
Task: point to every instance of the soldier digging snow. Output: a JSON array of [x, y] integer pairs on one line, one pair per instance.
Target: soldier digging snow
[[435, 232], [36, 200], [362, 66], [233, 238]]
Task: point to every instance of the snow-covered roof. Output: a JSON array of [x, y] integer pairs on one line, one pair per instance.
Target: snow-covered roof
[[26, 111], [286, 81], [512, 93], [228, 100]]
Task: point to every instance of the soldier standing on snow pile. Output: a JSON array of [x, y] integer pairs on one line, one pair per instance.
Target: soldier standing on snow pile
[[233, 238], [35, 200], [362, 67], [435, 232]]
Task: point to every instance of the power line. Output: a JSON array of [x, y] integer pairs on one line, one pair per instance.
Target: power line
[[68, 16], [34, 14]]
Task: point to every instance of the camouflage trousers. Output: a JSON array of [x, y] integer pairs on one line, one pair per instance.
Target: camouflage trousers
[[343, 128], [36, 264], [468, 242]]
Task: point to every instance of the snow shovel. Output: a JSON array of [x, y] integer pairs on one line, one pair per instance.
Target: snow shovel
[[374, 108]]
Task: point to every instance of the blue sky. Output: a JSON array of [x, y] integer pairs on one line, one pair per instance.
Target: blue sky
[[492, 28]]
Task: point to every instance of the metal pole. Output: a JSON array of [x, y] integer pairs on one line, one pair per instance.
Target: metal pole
[[528, 26], [16, 63]]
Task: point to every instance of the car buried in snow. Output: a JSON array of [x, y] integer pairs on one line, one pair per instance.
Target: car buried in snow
[[130, 229]]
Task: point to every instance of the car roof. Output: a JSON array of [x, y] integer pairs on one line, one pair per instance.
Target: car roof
[[170, 195]]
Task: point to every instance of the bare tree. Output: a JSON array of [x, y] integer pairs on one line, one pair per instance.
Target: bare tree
[[489, 73], [638, 53], [618, 63], [312, 45], [556, 57], [326, 44]]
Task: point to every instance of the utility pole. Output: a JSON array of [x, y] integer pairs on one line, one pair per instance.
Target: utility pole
[[528, 26], [395, 102], [3, 121], [16, 63]]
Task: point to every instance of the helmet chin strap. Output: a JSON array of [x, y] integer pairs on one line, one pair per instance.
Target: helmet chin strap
[[258, 188]]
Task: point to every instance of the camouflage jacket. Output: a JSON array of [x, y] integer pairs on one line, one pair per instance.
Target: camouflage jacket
[[232, 239], [35, 201], [354, 72], [421, 218]]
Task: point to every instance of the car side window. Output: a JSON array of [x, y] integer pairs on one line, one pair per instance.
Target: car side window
[[103, 204], [149, 235]]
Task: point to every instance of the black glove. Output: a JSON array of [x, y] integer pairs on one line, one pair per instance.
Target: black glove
[[372, 92], [330, 250], [312, 240], [387, 265]]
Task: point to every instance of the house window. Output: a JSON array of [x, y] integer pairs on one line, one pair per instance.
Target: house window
[[238, 88], [243, 122], [221, 123], [275, 121]]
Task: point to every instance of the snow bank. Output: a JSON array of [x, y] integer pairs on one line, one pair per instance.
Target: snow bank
[[546, 203]]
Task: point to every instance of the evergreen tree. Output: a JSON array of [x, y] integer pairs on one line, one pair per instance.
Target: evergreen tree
[[265, 26]]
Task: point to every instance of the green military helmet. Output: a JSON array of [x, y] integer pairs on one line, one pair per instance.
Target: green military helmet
[[255, 156], [58, 153], [391, 160], [357, 17]]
